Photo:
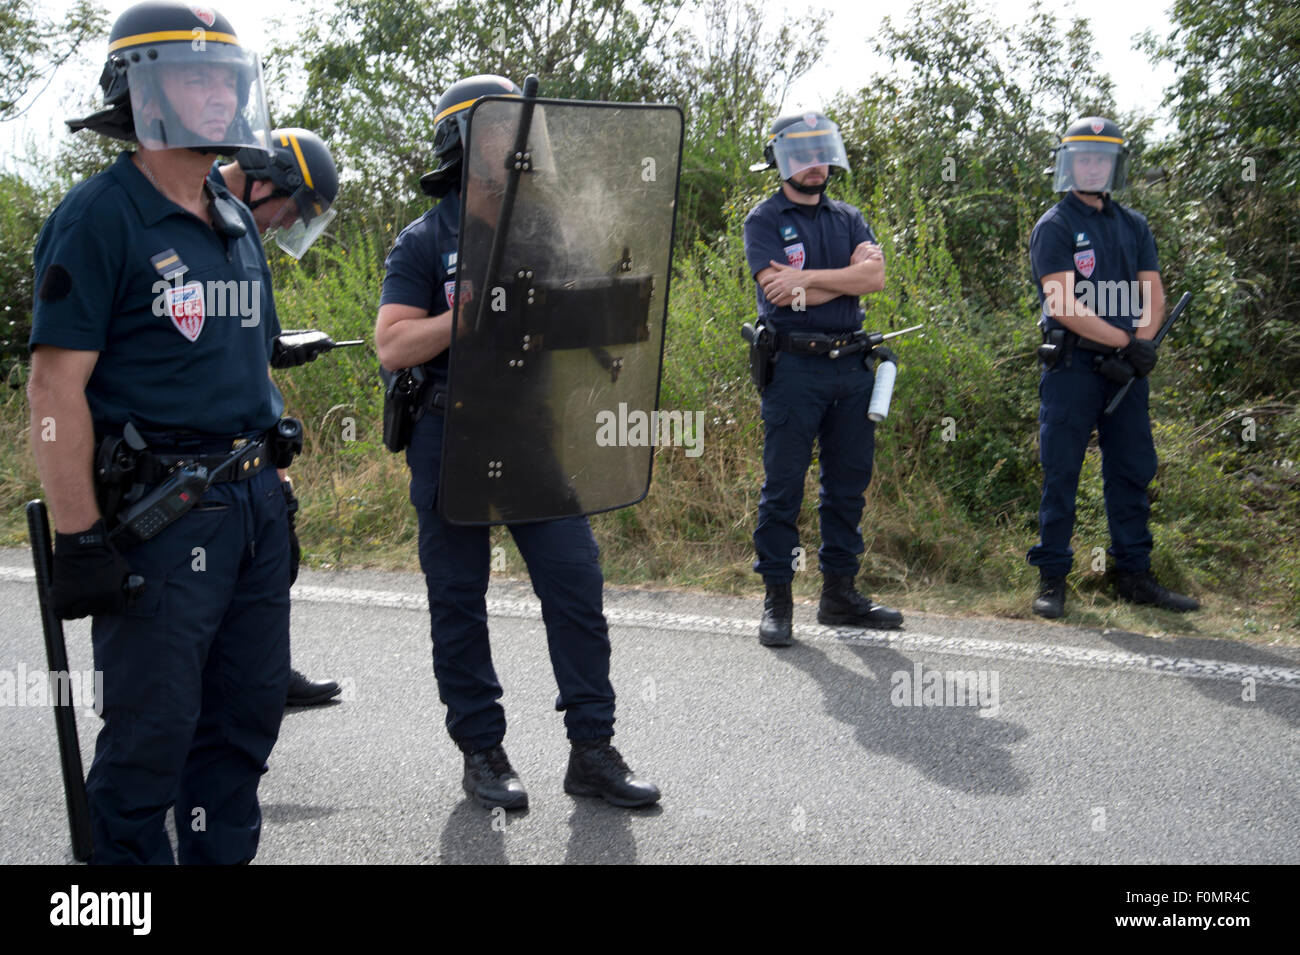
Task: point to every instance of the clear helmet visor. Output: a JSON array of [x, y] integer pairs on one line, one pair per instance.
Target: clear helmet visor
[[812, 141], [1090, 166], [185, 98], [300, 221]]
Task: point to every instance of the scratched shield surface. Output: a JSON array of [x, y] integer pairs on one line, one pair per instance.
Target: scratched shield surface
[[561, 301]]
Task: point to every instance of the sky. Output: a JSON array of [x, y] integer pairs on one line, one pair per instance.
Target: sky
[[846, 65]]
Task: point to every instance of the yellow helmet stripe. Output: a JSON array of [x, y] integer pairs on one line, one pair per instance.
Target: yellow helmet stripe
[[1092, 139], [466, 104], [167, 36], [302, 163]]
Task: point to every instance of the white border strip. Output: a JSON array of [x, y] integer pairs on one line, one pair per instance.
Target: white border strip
[[530, 609]]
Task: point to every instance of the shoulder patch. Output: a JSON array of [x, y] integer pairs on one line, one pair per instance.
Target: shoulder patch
[[56, 284]]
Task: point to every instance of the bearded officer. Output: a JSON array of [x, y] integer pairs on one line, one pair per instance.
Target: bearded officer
[[812, 258], [290, 191], [128, 348], [414, 328], [1085, 243]]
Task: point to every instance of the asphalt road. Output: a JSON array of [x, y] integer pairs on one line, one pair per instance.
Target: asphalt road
[[1083, 746]]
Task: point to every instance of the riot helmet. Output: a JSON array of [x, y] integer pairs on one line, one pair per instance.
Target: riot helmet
[[1092, 158], [798, 142], [301, 169], [449, 127], [177, 77]]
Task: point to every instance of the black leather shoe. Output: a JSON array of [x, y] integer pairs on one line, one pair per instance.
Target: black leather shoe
[[596, 769], [842, 606], [777, 626], [1050, 602], [1143, 588], [492, 782], [305, 692]]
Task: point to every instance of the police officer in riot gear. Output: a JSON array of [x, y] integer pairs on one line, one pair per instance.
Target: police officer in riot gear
[[128, 348], [290, 191], [1084, 251], [414, 329], [812, 258]]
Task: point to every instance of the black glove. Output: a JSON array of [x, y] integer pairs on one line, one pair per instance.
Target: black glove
[[883, 353], [90, 576], [293, 348], [1141, 354], [295, 551], [1117, 369]]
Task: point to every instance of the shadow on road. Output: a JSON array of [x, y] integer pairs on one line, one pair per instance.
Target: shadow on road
[[600, 833], [953, 745], [476, 836], [1278, 700]]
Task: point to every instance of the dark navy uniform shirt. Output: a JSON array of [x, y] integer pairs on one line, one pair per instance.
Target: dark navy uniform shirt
[[1105, 249], [421, 268], [182, 316], [807, 237]]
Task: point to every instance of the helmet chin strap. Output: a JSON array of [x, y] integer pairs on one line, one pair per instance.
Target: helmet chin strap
[[810, 190]]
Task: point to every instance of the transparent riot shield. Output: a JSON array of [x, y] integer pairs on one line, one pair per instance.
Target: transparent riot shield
[[567, 214]]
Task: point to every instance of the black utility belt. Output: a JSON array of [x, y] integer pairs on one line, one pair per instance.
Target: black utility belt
[[141, 489], [833, 344], [1060, 344], [152, 467]]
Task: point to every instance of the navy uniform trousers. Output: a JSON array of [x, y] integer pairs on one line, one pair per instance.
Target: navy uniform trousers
[[563, 562], [194, 679], [1074, 397], [814, 396]]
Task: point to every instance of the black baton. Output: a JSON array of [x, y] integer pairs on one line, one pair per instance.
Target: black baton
[[56, 654]]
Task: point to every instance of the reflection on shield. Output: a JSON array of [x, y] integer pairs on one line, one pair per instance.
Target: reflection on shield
[[567, 212]]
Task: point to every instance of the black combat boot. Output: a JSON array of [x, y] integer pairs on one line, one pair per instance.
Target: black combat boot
[[843, 606], [1143, 588], [492, 782], [305, 692], [1050, 602], [596, 769], [777, 627]]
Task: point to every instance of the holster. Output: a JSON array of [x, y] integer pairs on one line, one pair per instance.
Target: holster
[[411, 393], [1057, 346], [762, 352], [115, 465]]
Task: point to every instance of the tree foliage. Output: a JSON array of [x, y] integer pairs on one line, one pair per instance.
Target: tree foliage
[[375, 98], [968, 121], [33, 45], [1235, 163]]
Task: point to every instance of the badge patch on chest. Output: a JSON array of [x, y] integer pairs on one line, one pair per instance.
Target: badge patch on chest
[[185, 306], [794, 254], [1085, 262], [466, 291], [788, 233]]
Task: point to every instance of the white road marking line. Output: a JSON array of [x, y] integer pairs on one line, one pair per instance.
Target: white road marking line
[[530, 609]]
